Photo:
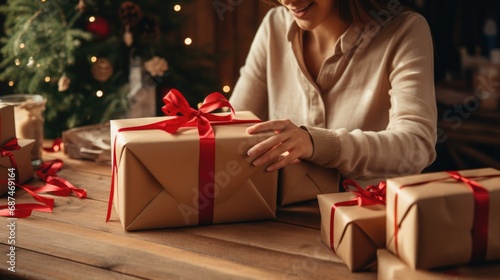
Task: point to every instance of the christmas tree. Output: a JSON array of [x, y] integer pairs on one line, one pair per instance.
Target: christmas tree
[[89, 57]]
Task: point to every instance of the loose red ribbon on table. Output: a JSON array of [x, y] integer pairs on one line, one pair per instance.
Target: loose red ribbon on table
[[372, 195], [53, 184], [55, 147], [185, 116], [481, 215]]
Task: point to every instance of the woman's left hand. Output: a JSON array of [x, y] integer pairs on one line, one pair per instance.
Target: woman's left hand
[[289, 143]]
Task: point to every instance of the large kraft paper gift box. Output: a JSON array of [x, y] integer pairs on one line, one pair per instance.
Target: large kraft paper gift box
[[354, 232], [303, 181], [444, 218], [7, 124], [17, 154], [157, 182], [391, 267]]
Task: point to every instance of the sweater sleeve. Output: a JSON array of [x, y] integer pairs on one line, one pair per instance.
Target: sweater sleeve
[[250, 91], [407, 145]]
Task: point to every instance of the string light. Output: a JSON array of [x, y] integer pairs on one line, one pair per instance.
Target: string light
[[226, 89], [188, 41], [91, 19], [99, 93], [47, 79], [93, 59], [17, 62], [11, 83], [22, 45], [38, 65], [43, 1], [177, 8]]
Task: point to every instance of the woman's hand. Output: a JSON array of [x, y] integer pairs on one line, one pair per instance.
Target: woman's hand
[[289, 143]]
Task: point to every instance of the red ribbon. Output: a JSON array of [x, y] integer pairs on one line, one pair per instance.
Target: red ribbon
[[372, 195], [56, 146], [54, 185], [481, 215], [6, 150], [24, 210], [185, 116]]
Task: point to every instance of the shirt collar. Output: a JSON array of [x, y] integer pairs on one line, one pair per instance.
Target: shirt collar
[[350, 39]]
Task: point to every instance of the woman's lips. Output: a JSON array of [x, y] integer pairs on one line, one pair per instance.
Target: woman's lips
[[301, 12]]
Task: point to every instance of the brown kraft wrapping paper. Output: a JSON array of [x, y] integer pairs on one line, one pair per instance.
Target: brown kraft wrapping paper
[[157, 181], [391, 267], [7, 124], [358, 230], [23, 161], [303, 181], [432, 219]]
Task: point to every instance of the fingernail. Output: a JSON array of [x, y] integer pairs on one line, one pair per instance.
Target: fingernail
[[270, 169], [250, 153]]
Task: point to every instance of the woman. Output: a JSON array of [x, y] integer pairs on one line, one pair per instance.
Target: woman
[[345, 84]]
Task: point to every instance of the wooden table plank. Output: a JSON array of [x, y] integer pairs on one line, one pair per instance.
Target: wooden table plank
[[41, 266], [124, 254]]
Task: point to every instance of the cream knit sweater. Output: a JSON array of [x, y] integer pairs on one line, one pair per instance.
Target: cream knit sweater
[[371, 112]]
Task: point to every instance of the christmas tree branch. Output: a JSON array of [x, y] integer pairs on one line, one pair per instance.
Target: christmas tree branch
[[25, 28]]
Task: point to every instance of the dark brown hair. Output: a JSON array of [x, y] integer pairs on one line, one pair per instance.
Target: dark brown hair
[[361, 11]]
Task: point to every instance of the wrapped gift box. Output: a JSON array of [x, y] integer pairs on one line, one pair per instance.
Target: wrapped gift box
[[391, 267], [302, 181], [22, 159], [156, 183], [7, 124], [358, 231], [432, 222]]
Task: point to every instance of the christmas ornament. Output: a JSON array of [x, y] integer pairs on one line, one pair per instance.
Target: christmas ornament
[[63, 83], [129, 13], [127, 37], [102, 70], [81, 6], [156, 66], [31, 62], [99, 26]]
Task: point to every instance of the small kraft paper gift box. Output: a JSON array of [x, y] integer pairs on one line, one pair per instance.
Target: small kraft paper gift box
[[303, 181], [7, 124], [391, 267], [16, 160], [444, 218], [190, 168], [353, 224]]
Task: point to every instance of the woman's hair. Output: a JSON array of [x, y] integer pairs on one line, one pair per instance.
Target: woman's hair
[[360, 11]]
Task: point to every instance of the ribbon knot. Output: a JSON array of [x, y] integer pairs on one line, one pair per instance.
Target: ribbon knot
[[369, 196], [12, 145], [6, 150]]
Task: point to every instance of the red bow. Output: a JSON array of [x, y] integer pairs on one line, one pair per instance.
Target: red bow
[[369, 196], [372, 195], [6, 150]]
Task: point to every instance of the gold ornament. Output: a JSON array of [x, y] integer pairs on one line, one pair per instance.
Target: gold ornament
[[156, 66], [127, 37], [102, 70], [63, 83]]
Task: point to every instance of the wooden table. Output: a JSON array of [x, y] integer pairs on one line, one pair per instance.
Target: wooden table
[[75, 242]]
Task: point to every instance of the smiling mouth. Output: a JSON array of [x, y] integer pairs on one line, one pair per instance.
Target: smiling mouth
[[302, 9]]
